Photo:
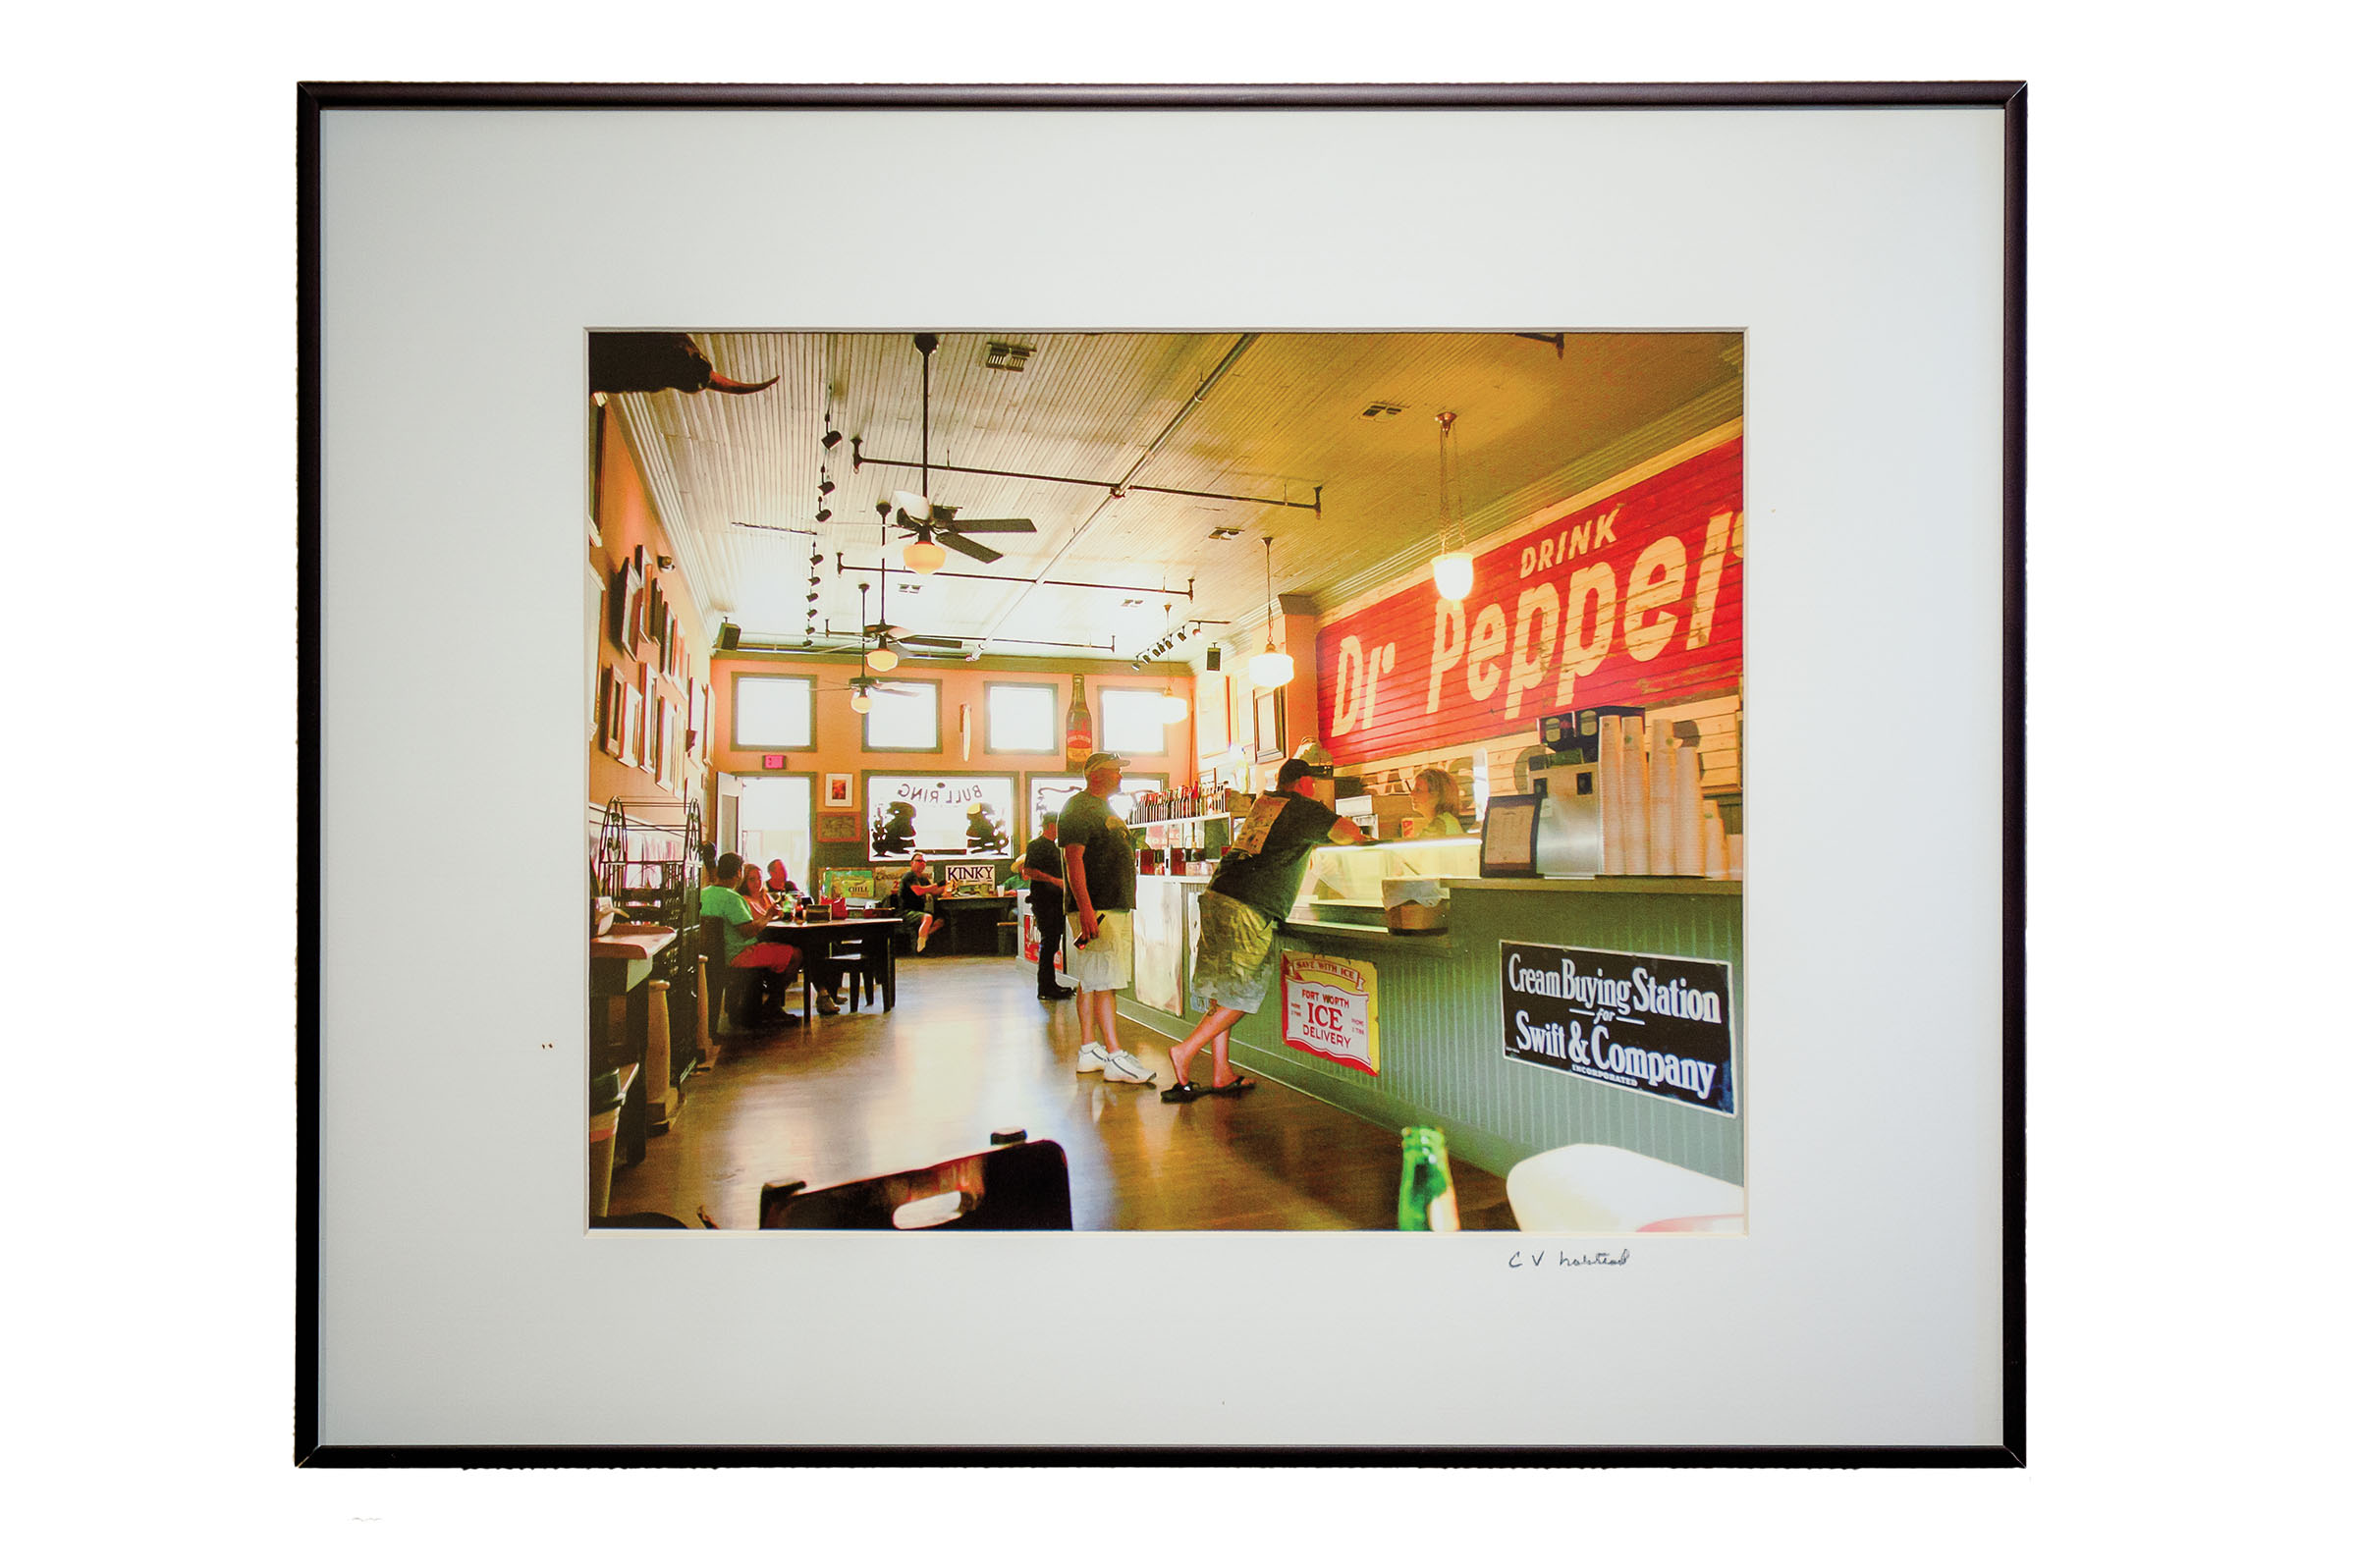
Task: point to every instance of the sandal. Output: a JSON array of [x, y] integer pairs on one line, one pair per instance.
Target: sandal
[[1237, 1087], [1182, 1092]]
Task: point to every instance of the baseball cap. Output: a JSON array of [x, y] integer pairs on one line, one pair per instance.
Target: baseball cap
[[1103, 759]]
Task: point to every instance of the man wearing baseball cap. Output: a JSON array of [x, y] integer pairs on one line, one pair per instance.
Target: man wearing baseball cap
[[1100, 889], [1249, 896]]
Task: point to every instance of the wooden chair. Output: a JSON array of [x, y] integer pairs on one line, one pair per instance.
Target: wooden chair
[[729, 990], [1020, 1186]]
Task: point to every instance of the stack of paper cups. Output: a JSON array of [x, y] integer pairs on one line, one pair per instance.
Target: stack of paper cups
[[1688, 786], [1734, 855], [1660, 804], [1632, 797], [1608, 795], [1714, 842]]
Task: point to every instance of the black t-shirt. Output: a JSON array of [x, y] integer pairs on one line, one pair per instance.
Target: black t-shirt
[[1042, 855], [1263, 868]]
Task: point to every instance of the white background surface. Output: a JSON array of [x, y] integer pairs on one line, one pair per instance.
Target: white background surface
[[2183, 384]]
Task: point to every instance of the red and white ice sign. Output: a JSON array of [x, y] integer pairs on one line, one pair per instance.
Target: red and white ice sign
[[1330, 1009]]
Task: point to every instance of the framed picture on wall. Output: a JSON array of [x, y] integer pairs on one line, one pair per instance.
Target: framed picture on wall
[[609, 711], [1918, 1238], [1268, 724]]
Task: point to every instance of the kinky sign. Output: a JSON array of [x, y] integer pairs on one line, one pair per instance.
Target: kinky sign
[[1634, 598], [1660, 1026]]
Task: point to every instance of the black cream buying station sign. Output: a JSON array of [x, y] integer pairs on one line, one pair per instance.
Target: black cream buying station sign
[[1660, 1026]]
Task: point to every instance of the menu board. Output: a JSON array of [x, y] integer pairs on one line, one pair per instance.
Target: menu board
[[943, 817]]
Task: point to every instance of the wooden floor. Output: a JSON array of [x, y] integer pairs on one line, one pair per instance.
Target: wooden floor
[[969, 1048]]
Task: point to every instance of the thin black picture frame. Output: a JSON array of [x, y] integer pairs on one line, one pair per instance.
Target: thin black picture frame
[[316, 98]]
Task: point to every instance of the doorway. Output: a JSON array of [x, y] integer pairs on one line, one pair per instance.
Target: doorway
[[774, 823]]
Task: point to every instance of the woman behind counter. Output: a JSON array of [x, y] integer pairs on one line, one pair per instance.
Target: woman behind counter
[[1436, 811]]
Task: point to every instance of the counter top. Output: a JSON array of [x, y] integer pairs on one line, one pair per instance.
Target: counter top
[[1352, 930], [1656, 885]]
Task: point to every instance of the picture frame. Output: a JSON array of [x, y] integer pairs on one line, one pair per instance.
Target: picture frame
[[1268, 724], [839, 794], [1722, 1420], [838, 827]]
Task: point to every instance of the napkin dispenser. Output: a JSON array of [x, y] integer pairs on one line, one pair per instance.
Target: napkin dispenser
[[1414, 903]]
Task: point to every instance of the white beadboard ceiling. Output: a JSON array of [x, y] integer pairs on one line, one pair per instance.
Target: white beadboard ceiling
[[1286, 419]]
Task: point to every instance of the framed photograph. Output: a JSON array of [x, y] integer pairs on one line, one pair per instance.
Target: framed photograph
[[612, 723], [1268, 724], [1787, 342]]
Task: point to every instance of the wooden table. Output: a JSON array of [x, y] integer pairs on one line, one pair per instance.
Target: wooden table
[[817, 938]]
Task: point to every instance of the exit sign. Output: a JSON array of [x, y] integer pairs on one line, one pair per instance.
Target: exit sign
[[773, 759]]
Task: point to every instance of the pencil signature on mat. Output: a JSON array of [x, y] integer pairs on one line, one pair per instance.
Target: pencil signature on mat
[[1537, 1259]]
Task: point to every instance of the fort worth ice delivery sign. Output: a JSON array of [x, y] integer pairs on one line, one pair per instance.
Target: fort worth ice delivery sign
[[1660, 1026]]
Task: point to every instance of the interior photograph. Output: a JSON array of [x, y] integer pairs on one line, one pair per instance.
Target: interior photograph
[[1151, 780]]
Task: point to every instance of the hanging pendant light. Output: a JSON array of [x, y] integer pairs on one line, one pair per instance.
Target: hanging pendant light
[[860, 700], [1173, 707], [882, 660], [1452, 567], [922, 556], [1269, 668]]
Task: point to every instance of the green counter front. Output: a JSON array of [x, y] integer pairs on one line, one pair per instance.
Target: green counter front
[[1440, 1023]]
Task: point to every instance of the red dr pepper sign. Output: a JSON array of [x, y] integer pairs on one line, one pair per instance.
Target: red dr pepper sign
[[1635, 599]]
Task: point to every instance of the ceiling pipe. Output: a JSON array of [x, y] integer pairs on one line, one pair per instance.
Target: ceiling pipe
[[1187, 592], [1316, 503], [1121, 486]]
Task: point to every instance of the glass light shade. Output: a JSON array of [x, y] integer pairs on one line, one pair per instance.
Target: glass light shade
[[1452, 573], [1269, 668], [924, 556], [882, 659], [1173, 708], [862, 702]]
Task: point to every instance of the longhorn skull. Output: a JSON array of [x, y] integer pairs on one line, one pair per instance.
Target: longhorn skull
[[657, 361]]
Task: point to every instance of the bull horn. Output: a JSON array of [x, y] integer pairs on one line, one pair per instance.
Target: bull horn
[[720, 383]]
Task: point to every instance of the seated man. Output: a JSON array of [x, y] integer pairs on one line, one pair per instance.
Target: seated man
[[744, 948], [914, 899], [773, 898]]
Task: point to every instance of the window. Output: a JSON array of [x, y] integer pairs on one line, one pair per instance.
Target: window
[[1021, 719], [945, 817], [1132, 722], [773, 712], [905, 718], [1049, 791]]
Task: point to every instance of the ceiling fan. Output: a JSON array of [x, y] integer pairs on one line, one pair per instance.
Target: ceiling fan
[[898, 642], [931, 526], [878, 661]]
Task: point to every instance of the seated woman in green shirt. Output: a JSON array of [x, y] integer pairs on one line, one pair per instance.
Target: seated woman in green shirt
[[1435, 810]]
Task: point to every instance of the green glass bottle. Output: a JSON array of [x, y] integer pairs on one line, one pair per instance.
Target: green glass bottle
[[1427, 1197]]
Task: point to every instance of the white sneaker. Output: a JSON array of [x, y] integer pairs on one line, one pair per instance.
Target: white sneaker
[[924, 934], [1092, 1058], [1123, 1067]]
